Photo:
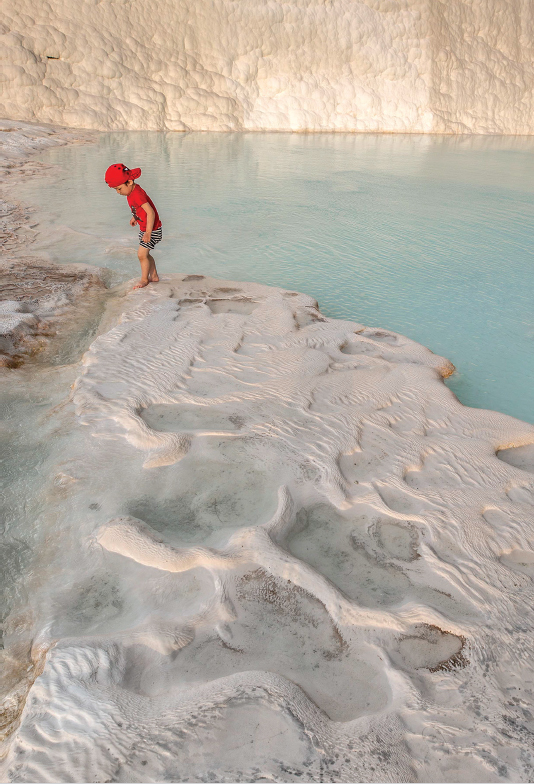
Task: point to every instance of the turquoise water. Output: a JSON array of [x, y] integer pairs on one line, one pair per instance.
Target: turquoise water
[[429, 236]]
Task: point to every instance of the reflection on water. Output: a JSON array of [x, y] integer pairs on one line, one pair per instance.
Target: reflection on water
[[428, 236]]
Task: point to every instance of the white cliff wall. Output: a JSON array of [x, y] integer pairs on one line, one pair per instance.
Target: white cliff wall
[[344, 65]]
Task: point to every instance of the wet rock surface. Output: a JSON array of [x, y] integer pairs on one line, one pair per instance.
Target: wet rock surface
[[40, 300]]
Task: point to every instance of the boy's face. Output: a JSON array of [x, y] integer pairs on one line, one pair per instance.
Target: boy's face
[[126, 188]]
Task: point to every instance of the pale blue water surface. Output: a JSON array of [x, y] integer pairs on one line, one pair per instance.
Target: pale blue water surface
[[429, 236]]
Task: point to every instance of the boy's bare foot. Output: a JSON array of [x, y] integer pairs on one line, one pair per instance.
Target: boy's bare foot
[[141, 284], [153, 277]]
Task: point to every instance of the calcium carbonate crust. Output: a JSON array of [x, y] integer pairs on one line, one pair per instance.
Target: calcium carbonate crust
[[309, 561], [341, 65]]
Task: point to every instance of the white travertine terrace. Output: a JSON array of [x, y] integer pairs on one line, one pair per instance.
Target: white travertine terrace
[[299, 557], [341, 65]]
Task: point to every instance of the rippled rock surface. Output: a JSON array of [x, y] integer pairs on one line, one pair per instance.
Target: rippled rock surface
[[281, 550]]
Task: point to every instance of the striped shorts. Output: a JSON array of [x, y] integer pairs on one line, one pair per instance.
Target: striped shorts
[[155, 237]]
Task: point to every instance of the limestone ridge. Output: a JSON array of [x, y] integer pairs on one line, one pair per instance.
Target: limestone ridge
[[299, 556], [372, 65]]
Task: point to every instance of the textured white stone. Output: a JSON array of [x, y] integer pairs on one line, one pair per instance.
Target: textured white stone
[[343, 65], [297, 557]]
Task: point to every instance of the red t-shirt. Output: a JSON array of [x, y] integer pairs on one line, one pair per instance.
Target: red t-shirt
[[136, 199]]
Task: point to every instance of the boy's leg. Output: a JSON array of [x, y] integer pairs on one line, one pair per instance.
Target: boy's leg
[[144, 260], [152, 272]]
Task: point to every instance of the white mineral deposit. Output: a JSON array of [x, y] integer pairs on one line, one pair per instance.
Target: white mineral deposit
[[370, 65], [298, 556]]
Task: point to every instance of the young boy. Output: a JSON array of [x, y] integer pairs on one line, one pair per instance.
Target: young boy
[[144, 213]]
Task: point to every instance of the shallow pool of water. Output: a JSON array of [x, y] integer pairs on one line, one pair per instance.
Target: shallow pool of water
[[429, 236]]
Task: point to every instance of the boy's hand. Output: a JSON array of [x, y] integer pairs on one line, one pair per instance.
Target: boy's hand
[[132, 221], [146, 236]]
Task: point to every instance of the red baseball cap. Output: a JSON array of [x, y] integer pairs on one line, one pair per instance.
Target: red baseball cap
[[118, 174]]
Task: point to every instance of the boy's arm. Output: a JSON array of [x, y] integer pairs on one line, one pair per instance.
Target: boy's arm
[[150, 217]]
